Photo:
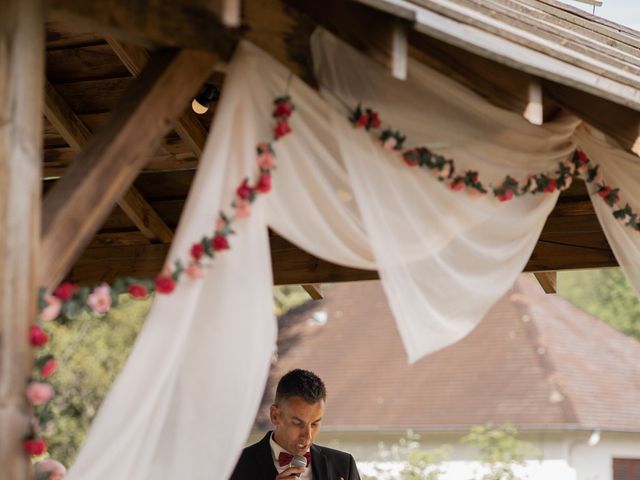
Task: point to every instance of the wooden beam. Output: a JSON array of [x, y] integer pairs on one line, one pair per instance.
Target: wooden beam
[[192, 24], [619, 122], [380, 35], [547, 280], [314, 290], [188, 127], [77, 135], [121, 254], [22, 46], [78, 204]]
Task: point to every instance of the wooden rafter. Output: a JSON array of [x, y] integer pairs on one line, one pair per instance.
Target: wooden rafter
[[22, 47], [77, 135], [78, 204], [190, 130], [314, 290], [547, 280]]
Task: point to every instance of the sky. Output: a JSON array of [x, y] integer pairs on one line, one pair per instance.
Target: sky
[[625, 12]]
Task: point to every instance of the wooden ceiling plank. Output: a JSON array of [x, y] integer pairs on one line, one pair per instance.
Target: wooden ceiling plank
[[77, 135], [190, 130], [78, 204], [547, 280], [190, 24]]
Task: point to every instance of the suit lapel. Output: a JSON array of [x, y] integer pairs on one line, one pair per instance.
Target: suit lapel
[[319, 464], [265, 459]]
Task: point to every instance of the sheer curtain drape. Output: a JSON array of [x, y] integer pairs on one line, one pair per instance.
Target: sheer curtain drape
[[187, 397]]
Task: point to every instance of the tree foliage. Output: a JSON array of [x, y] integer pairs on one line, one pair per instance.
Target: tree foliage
[[606, 294]]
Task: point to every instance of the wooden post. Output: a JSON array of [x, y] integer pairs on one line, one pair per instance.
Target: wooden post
[[21, 93]]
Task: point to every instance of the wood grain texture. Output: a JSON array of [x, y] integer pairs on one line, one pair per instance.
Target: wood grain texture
[[21, 95], [77, 135], [78, 204], [547, 280]]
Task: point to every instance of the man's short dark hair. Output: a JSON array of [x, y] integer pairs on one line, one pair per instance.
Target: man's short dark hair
[[301, 383]]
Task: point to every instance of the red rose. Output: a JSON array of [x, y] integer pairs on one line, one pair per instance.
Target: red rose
[[197, 250], [282, 129], [49, 368], [220, 242], [456, 185], [165, 284], [264, 184], [283, 109], [375, 120], [138, 291], [551, 186], [363, 120], [37, 337], [582, 157], [506, 196], [244, 190], [604, 191], [410, 161], [66, 291], [35, 446]]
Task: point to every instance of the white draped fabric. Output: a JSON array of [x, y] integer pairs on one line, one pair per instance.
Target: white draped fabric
[[187, 397]]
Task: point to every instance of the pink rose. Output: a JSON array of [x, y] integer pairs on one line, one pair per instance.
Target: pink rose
[[52, 310], [445, 171], [39, 393], [475, 193], [194, 272], [100, 299], [220, 224], [265, 160], [456, 185], [570, 165], [263, 147], [390, 143], [243, 208], [54, 468], [49, 368], [567, 183]]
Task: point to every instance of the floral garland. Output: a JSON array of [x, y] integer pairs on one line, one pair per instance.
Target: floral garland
[[69, 300], [549, 182]]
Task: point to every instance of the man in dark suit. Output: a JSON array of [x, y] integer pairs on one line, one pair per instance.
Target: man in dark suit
[[296, 415]]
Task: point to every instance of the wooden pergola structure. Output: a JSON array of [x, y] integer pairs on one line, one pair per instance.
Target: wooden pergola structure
[[98, 149]]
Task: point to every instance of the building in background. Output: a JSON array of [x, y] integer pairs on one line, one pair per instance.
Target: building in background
[[567, 381]]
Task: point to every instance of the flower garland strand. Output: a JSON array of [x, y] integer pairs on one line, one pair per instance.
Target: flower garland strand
[[69, 300], [445, 170]]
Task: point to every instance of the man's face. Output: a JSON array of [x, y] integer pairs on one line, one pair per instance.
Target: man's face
[[296, 423]]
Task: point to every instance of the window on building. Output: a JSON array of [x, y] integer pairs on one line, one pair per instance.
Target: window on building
[[626, 469]]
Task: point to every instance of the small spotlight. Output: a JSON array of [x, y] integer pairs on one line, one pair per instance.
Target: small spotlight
[[209, 93]]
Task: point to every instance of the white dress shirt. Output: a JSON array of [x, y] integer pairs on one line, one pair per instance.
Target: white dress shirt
[[275, 451]]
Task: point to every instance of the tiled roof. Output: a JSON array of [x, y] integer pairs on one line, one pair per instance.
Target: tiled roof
[[535, 361]]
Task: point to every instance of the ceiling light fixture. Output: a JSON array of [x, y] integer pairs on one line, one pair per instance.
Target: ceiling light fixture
[[209, 93]]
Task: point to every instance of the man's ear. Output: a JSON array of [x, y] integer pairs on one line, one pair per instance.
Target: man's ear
[[274, 414]]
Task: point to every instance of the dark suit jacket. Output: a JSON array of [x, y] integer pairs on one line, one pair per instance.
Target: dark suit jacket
[[256, 463]]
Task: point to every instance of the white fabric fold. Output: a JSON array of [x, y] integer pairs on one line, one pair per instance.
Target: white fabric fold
[[186, 399]]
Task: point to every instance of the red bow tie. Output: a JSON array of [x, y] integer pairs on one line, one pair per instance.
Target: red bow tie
[[285, 458]]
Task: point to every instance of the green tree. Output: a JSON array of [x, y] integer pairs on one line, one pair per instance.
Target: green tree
[[90, 350], [499, 449], [606, 294]]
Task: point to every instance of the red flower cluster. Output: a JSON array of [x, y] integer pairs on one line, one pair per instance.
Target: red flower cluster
[[37, 336], [48, 368], [35, 446], [66, 291], [164, 284], [283, 110], [138, 291]]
